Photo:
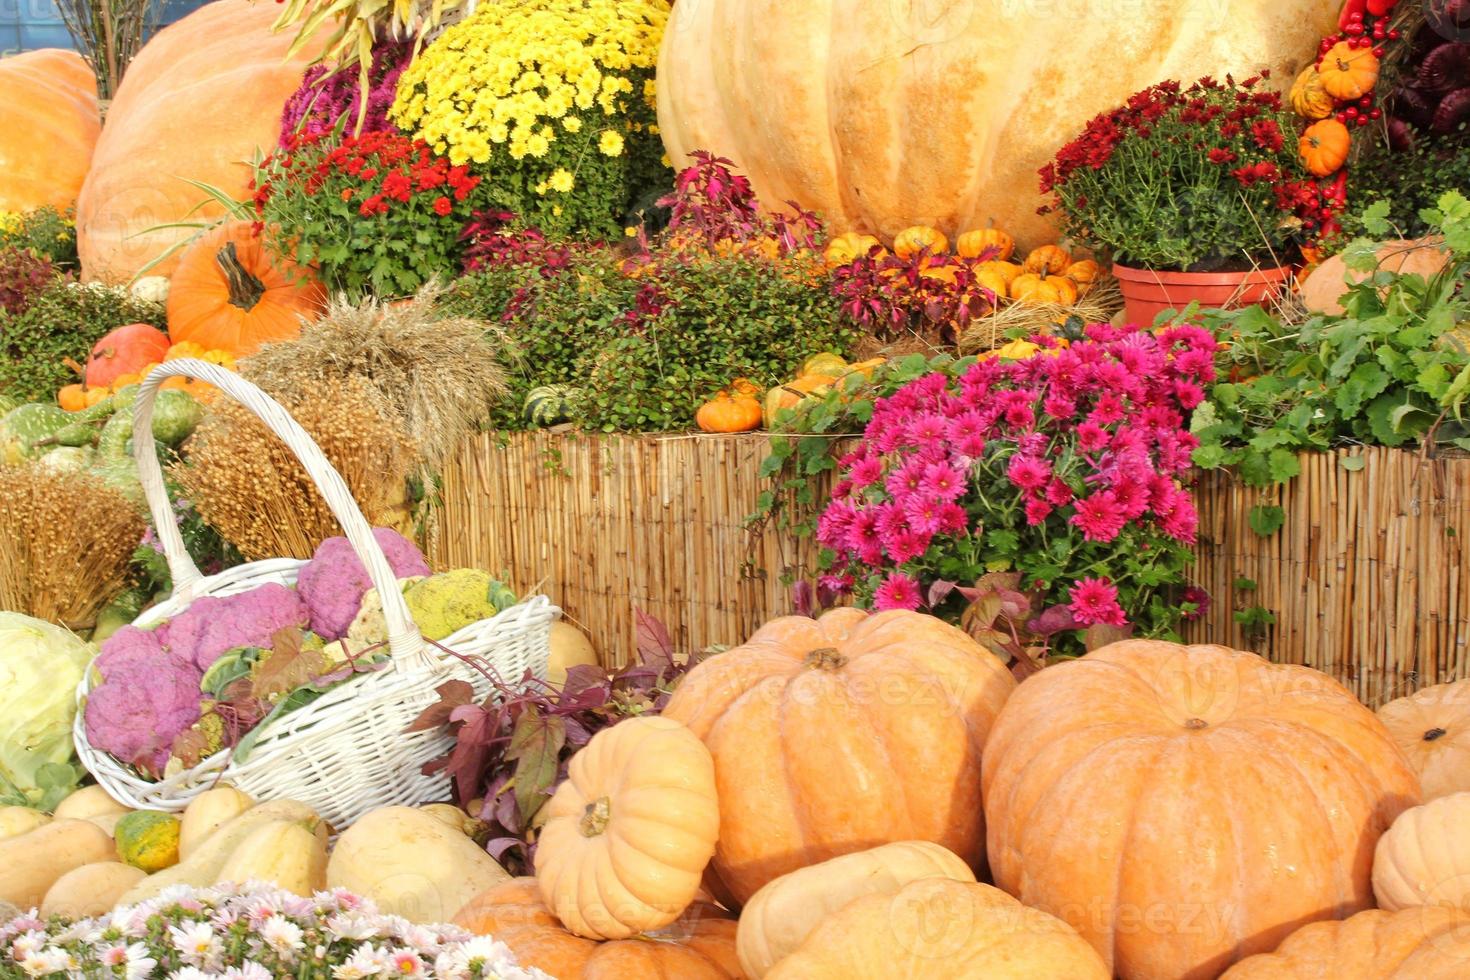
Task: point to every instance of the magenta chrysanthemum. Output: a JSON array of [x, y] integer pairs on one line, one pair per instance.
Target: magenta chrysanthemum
[[898, 591], [1095, 600]]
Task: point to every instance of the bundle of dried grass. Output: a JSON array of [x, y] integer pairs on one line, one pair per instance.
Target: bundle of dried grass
[[249, 486], [441, 374], [65, 543], [987, 333]]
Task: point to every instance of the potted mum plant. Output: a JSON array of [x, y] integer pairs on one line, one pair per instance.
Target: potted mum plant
[[1195, 193]]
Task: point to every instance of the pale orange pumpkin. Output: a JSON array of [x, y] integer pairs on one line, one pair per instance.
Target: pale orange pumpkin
[[1323, 289], [848, 246], [1424, 858], [231, 294], [1153, 776], [1039, 287], [793, 393], [807, 767], [700, 946], [203, 96], [992, 243], [629, 831], [48, 127], [1348, 72], [1324, 147], [1432, 726], [941, 929], [1415, 944], [915, 239]]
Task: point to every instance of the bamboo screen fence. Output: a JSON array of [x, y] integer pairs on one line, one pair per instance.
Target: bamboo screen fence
[[1369, 578]]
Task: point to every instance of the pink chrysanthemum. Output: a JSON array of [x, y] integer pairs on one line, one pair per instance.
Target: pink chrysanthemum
[[1037, 510], [1095, 600], [1099, 517], [1092, 438], [866, 472], [905, 545], [944, 482], [898, 591], [907, 479], [1058, 493], [1028, 473]]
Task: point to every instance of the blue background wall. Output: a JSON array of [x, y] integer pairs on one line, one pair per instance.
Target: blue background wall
[[29, 24]]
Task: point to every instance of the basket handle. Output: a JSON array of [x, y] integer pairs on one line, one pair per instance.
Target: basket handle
[[405, 644]]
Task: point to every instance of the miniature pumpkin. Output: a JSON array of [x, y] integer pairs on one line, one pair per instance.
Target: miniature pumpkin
[[780, 916], [700, 946], [1415, 944], [745, 386], [630, 830], [1348, 72], [230, 293], [48, 127], [1324, 147], [913, 240], [1424, 858], [75, 398], [1309, 99], [793, 393], [1039, 287], [729, 413], [126, 350], [1432, 726], [1006, 270], [994, 281], [805, 768], [957, 930], [848, 246], [1051, 259], [991, 243], [1194, 761], [825, 362], [1084, 273]]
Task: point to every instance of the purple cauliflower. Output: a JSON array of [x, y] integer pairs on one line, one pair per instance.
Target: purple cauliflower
[[211, 626], [333, 582], [145, 700]]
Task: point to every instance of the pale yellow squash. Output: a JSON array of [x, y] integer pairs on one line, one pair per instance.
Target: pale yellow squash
[[17, 820], [1424, 858], [91, 890], [91, 801], [569, 648], [209, 811], [31, 863], [290, 854]]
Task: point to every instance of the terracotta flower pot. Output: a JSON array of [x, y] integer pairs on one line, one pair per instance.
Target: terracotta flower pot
[[1147, 293]]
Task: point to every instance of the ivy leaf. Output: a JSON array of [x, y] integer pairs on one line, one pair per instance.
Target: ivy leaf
[[1366, 381], [1284, 464], [535, 745], [1208, 457], [1266, 520], [1375, 219]]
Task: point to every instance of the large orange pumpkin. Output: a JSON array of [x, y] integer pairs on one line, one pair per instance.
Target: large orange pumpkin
[[197, 103], [881, 114], [1187, 806], [230, 293], [699, 946], [48, 127], [1416, 944], [1432, 726], [941, 929], [839, 734]]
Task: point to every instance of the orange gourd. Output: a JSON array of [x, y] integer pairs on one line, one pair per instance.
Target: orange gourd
[[700, 946], [1051, 259], [913, 240], [231, 294], [1039, 287], [729, 413], [76, 397], [48, 128], [1432, 726], [1308, 98], [1084, 273], [131, 349], [807, 722], [1348, 72], [1324, 147], [1415, 944], [1236, 798], [203, 96], [990, 243], [793, 393], [848, 246]]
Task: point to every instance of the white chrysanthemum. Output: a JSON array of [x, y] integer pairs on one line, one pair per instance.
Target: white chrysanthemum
[[249, 970], [196, 943], [353, 926], [189, 973], [283, 936]]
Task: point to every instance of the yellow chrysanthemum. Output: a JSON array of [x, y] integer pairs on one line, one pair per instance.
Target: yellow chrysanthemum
[[562, 181], [610, 143], [572, 124]]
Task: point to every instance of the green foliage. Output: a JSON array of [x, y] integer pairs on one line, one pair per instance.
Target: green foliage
[[64, 321], [1401, 185], [1391, 370], [44, 231]]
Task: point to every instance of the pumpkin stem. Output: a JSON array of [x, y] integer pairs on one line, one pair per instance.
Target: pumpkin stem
[[1433, 734], [245, 289], [596, 816], [826, 658], [1196, 724]]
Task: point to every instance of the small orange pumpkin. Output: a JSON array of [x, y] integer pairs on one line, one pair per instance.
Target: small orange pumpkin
[[976, 244], [1084, 273], [1008, 271], [1308, 97], [848, 246], [74, 398], [745, 386], [1039, 287], [911, 241], [1348, 72], [1324, 147], [1051, 259], [230, 293], [995, 282], [729, 413]]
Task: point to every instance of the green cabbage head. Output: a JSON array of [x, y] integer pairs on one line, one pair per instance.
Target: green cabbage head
[[40, 667]]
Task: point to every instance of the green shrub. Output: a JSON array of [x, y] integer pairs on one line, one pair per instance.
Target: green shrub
[[1410, 181], [63, 321], [45, 231]]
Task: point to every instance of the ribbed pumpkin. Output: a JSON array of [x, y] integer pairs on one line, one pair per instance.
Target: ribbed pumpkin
[[839, 734], [230, 293], [847, 246], [1324, 146], [974, 244], [941, 929], [630, 830], [779, 917], [700, 946], [1229, 798], [915, 239], [1432, 726], [201, 98], [126, 350], [1348, 72], [1424, 859], [881, 114], [1416, 944], [48, 127], [1308, 98]]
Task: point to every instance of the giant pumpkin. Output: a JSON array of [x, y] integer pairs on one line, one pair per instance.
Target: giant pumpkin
[[1432, 726], [48, 126], [838, 734], [1187, 806], [882, 114], [197, 103], [1415, 944]]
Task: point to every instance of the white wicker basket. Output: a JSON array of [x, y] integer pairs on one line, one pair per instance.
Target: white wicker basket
[[347, 752]]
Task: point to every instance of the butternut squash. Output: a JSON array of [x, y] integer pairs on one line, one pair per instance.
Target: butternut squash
[[31, 863], [88, 802], [411, 864], [91, 890], [208, 812], [17, 820], [108, 823], [203, 866], [286, 853]]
